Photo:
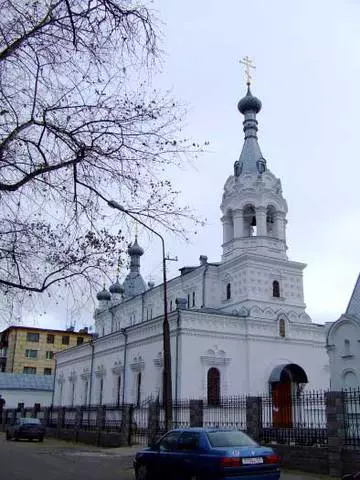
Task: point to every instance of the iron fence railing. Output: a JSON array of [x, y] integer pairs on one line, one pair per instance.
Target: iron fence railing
[[296, 418]]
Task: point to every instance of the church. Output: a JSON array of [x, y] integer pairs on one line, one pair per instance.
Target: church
[[238, 326]]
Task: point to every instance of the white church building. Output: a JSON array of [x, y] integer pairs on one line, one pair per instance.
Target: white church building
[[237, 326]]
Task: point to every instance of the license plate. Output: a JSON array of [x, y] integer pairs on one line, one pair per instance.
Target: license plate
[[252, 460]]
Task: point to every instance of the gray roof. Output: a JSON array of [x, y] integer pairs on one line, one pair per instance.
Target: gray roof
[[354, 303], [24, 381]]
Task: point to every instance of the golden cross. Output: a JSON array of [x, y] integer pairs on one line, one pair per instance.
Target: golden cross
[[248, 64]]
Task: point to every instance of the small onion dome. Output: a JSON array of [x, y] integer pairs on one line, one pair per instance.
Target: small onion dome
[[249, 103], [116, 288], [135, 249], [103, 295], [151, 284]]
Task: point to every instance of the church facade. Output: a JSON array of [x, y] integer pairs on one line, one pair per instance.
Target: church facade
[[237, 326], [343, 347]]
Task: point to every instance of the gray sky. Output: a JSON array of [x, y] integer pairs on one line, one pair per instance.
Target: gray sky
[[307, 76]]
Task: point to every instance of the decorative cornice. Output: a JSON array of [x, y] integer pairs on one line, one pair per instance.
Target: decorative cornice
[[159, 360], [117, 369], [100, 371], [215, 356], [137, 364]]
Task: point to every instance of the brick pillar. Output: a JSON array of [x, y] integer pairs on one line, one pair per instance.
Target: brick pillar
[[126, 423], [335, 417], [153, 422], [60, 419], [196, 413], [254, 417], [46, 416], [78, 417]]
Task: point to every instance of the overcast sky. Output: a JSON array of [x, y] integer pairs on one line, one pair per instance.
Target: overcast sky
[[308, 79]]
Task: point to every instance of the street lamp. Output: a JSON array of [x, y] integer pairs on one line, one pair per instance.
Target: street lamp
[[166, 330]]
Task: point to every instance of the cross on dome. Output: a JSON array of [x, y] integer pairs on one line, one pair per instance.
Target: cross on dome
[[247, 62]]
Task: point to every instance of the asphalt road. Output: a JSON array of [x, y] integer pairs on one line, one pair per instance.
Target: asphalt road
[[58, 460]]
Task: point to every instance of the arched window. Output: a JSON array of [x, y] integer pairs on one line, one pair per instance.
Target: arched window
[[228, 291], [138, 390], [171, 305], [213, 386], [101, 391], [270, 220], [118, 390], [249, 221], [276, 289], [347, 347], [188, 300], [193, 299], [282, 327]]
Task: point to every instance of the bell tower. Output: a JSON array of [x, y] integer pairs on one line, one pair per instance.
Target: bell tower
[[253, 207]]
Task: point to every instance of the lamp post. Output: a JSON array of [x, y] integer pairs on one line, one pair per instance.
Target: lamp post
[[166, 330]]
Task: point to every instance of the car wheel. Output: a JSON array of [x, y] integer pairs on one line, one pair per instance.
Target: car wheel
[[8, 436], [41, 439], [142, 473]]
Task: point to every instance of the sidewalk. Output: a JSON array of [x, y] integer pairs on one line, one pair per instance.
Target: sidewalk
[[296, 475]]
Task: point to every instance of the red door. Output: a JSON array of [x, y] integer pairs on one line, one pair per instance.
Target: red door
[[281, 404]]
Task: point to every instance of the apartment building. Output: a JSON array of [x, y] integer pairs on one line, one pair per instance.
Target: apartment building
[[32, 350]]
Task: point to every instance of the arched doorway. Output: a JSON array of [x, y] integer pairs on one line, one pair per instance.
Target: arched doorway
[[284, 383]]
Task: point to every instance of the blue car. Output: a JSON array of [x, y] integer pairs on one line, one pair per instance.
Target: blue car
[[206, 454]]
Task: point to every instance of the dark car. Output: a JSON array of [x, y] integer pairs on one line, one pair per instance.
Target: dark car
[[30, 428], [206, 454]]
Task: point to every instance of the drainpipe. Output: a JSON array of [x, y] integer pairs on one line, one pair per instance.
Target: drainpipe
[[53, 392], [203, 261], [181, 304], [91, 343], [14, 352], [123, 331]]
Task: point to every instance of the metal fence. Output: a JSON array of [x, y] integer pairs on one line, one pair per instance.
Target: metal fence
[[230, 412], [352, 417], [296, 418]]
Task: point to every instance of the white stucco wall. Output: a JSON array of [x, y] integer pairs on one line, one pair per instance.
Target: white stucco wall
[[27, 397], [344, 353]]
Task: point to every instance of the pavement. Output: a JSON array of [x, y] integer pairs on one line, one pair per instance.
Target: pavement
[[57, 459]]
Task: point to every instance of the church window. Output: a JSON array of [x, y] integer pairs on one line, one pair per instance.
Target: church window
[[86, 388], [228, 291], [213, 386], [276, 289], [250, 221], [347, 347], [188, 300], [101, 391], [138, 389], [193, 299], [118, 390], [151, 313], [171, 305], [282, 327], [270, 220], [147, 314], [72, 393]]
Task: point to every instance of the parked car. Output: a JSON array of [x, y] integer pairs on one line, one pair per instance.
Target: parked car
[[206, 454], [30, 428]]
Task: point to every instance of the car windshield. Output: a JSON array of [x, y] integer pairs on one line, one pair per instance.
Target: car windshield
[[230, 439], [35, 421]]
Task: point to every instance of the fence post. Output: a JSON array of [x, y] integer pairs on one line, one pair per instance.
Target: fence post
[[60, 420], [100, 421], [126, 423], [46, 416], [196, 413], [153, 422], [254, 417], [335, 418]]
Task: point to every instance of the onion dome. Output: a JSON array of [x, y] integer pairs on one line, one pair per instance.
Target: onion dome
[[135, 249], [249, 103], [103, 295], [116, 288]]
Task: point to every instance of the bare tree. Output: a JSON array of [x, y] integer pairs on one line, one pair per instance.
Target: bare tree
[[78, 125]]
